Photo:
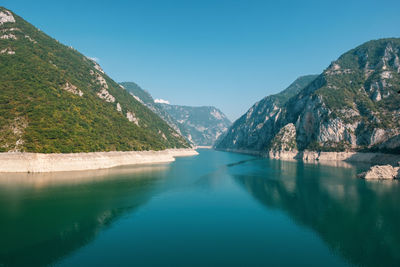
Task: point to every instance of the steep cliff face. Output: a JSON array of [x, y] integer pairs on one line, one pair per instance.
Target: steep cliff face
[[353, 105], [255, 129]]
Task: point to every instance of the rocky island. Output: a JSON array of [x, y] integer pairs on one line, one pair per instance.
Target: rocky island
[[381, 172]]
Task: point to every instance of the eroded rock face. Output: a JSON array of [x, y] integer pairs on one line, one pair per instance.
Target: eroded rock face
[[72, 89], [285, 140], [102, 81], [119, 109], [256, 129], [7, 51], [6, 16], [132, 117], [104, 94], [381, 172], [9, 36], [96, 65], [253, 129]]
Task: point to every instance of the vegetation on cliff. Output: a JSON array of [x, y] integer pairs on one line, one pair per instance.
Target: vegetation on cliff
[[54, 99], [353, 105]]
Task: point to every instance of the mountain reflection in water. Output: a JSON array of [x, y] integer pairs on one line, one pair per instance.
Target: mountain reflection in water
[[357, 219], [45, 216], [214, 209]]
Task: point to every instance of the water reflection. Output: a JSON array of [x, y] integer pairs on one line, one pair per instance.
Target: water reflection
[[39, 180], [357, 219], [45, 217], [198, 215]]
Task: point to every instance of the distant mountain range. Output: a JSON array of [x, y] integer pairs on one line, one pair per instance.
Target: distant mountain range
[[201, 126], [354, 105], [54, 99]]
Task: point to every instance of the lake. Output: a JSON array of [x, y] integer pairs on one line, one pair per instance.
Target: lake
[[217, 208]]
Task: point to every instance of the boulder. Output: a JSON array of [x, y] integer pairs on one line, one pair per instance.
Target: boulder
[[381, 172]]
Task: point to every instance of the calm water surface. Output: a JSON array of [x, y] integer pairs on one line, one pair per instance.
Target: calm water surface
[[217, 208]]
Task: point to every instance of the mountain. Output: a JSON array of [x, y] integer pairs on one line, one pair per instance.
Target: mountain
[[204, 124], [199, 125], [354, 105], [281, 98], [54, 99], [250, 131], [145, 98]]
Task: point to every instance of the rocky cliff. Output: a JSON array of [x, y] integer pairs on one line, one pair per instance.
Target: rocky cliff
[[255, 129], [354, 105]]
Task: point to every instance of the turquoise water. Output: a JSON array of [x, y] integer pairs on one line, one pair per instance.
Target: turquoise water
[[217, 208]]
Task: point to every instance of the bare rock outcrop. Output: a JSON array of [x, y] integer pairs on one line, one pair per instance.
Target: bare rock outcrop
[[103, 93], [72, 89], [132, 117], [6, 16], [284, 143], [7, 51], [9, 36], [381, 172]]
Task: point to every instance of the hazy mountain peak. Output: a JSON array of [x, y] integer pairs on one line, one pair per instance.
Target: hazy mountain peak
[[199, 125]]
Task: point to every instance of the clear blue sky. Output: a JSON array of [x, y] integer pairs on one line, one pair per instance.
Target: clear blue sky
[[229, 54]]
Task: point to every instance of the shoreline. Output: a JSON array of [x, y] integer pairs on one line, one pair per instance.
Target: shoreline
[[22, 162], [204, 147], [373, 158]]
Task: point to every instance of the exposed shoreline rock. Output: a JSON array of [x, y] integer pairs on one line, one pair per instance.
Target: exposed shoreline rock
[[384, 165], [314, 156], [37, 162], [381, 172]]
